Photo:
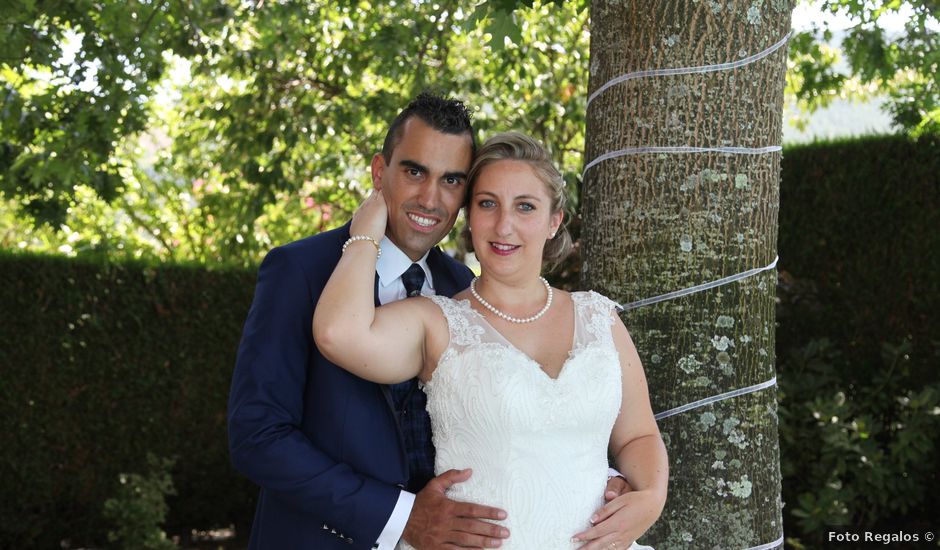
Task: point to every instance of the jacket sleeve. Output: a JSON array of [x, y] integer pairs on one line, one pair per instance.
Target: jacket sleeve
[[266, 406]]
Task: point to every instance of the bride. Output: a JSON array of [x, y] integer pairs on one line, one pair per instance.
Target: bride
[[528, 385]]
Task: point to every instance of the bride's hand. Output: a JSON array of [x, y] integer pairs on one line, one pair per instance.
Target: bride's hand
[[371, 217], [621, 521]]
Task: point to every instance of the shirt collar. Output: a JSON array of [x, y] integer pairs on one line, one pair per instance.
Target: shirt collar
[[393, 262]]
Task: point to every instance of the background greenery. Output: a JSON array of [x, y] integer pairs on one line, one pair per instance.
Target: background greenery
[[857, 336], [210, 131], [110, 362], [117, 360], [152, 151]]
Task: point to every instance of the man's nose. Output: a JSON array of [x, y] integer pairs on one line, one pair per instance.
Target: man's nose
[[428, 195]]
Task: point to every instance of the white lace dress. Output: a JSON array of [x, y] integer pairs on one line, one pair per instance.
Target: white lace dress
[[537, 445]]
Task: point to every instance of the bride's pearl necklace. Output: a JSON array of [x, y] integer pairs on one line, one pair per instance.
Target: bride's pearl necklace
[[507, 317]]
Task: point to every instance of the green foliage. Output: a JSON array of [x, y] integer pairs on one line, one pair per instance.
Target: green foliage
[[139, 508], [856, 238], [102, 364], [902, 67], [264, 132], [75, 78], [857, 335], [855, 455]]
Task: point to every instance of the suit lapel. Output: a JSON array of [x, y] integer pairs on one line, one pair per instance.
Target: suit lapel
[[444, 283]]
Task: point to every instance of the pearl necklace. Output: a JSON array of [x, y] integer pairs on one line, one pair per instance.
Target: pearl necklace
[[507, 317]]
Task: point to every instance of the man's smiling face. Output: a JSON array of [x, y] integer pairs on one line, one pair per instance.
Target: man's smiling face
[[424, 184]]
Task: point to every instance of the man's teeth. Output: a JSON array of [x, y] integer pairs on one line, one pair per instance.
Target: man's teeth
[[422, 221], [498, 246]]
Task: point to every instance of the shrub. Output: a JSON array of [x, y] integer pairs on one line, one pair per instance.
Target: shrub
[[139, 508]]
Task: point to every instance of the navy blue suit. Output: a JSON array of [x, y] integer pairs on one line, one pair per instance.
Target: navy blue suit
[[323, 444]]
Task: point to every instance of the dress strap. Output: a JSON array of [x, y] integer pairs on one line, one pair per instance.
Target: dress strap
[[463, 330], [593, 318]]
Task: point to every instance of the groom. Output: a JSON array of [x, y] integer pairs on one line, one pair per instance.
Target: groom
[[345, 463]]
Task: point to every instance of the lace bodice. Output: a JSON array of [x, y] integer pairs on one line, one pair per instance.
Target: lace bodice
[[537, 445]]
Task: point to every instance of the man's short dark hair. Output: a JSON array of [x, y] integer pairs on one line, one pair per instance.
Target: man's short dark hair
[[449, 116]]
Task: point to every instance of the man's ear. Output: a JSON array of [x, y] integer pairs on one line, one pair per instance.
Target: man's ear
[[378, 168]]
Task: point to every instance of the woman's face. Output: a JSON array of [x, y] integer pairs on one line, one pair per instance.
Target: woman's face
[[510, 218]]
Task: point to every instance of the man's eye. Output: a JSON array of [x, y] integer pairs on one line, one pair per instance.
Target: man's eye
[[414, 172], [452, 181]]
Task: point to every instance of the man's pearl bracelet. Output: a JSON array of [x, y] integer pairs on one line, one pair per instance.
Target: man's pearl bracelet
[[354, 238]]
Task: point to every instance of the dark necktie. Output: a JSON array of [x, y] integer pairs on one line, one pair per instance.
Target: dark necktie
[[413, 279]]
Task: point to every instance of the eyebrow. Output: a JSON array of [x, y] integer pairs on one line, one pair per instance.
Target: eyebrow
[[412, 164], [518, 197], [417, 166]]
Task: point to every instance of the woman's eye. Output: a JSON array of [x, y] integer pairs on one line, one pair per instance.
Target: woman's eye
[[526, 206], [486, 203]]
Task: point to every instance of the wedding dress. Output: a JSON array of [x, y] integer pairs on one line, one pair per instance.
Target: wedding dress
[[537, 445]]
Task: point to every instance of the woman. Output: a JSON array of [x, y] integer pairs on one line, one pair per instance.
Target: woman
[[527, 385]]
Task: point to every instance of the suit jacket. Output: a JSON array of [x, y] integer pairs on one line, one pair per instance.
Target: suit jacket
[[323, 444]]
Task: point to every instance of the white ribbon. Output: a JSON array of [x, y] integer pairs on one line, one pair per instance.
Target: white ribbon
[[716, 398], [697, 288], [769, 545], [683, 149], [689, 70]]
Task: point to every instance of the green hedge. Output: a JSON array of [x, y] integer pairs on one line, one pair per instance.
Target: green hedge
[[858, 339], [102, 364], [860, 246]]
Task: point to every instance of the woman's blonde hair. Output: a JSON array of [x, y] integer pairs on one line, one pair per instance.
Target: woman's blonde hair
[[516, 146]]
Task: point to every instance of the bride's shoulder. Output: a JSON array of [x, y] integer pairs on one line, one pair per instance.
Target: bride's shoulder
[[445, 305], [594, 298]]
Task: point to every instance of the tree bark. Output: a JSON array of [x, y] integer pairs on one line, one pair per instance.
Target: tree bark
[[656, 223]]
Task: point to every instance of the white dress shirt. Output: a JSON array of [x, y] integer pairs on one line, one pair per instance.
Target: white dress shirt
[[390, 266]]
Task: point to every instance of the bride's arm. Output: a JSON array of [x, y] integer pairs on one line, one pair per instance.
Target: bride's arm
[[640, 455], [384, 345], [635, 441]]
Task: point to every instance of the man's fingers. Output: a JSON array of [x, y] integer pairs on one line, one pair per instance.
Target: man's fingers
[[466, 540], [616, 486], [477, 527], [450, 477], [469, 510]]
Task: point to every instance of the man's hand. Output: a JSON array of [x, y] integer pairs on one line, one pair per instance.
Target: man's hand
[[616, 486], [438, 522]]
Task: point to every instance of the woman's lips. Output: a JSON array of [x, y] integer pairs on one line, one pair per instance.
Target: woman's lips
[[503, 249]]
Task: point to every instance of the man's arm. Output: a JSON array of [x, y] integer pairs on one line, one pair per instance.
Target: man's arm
[[266, 408]]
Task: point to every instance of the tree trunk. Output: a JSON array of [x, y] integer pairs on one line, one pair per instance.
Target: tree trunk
[[660, 222]]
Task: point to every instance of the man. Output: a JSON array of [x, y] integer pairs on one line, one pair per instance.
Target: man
[[345, 463]]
